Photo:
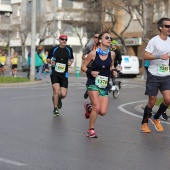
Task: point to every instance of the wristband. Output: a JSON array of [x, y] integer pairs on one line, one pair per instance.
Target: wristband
[[88, 72], [157, 56]]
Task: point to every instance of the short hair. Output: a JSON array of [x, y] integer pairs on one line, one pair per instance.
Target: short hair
[[101, 35], [160, 22], [40, 47]]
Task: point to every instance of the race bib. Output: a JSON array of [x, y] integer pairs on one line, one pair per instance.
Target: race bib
[[163, 69], [59, 67], [101, 81]]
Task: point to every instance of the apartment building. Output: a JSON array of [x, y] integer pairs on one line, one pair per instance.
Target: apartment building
[[54, 17], [79, 19], [151, 11], [5, 13]]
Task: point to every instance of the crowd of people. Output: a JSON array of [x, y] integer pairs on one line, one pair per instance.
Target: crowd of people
[[101, 60], [13, 63]]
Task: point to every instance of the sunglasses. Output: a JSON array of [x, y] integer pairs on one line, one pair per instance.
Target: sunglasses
[[107, 37], [167, 26], [63, 39], [96, 37]]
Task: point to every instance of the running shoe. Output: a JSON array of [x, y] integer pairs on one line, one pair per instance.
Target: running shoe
[[164, 116], [56, 112], [91, 133], [87, 112], [59, 103], [86, 95], [157, 124], [144, 128]]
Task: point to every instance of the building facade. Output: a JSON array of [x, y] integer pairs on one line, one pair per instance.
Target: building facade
[[53, 17], [134, 22], [79, 19]]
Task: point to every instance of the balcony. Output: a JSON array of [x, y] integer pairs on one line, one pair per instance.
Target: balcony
[[4, 27], [72, 15], [16, 21], [5, 9], [15, 1]]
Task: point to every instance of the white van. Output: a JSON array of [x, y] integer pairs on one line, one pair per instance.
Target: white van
[[130, 65]]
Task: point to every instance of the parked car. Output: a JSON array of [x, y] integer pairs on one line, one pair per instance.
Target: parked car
[[24, 66]]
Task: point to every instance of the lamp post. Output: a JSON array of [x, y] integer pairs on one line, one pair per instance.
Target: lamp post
[[33, 39]]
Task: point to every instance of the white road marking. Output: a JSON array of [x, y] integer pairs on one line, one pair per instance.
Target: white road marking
[[131, 86], [120, 107], [12, 162], [27, 97]]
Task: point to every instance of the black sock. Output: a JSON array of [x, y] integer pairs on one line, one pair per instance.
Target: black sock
[[91, 129], [147, 114], [162, 109]]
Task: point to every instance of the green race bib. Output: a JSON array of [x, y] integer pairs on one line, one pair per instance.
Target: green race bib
[[101, 81], [163, 69], [59, 67]]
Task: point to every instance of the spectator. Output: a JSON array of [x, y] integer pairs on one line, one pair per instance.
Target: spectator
[[39, 62], [14, 62]]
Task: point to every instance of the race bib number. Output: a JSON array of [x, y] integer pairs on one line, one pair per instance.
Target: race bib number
[[59, 67], [163, 69], [101, 81]]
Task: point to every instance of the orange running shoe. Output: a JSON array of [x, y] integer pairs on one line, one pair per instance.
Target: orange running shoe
[[144, 128]]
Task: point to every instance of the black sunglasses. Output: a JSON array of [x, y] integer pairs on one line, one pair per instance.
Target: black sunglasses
[[167, 26], [107, 37], [96, 37], [63, 39]]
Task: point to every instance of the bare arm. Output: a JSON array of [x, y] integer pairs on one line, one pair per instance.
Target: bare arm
[[149, 56], [112, 65], [87, 60], [90, 58], [83, 57]]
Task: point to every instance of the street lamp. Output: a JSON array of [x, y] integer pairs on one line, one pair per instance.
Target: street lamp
[[33, 39]]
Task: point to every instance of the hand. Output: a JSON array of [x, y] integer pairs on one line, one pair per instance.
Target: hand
[[119, 68], [52, 62], [115, 73], [69, 63], [165, 56], [94, 73]]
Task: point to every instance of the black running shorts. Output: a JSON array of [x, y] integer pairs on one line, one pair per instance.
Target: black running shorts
[[14, 66], [155, 83], [59, 78]]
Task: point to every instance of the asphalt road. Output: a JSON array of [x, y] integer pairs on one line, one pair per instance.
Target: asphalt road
[[32, 139]]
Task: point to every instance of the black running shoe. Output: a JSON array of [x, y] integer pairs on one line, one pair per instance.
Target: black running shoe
[[164, 116], [56, 112], [86, 95], [59, 103]]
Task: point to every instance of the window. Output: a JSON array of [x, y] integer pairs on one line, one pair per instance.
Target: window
[[19, 11], [17, 34], [66, 28], [108, 14], [67, 4], [7, 2]]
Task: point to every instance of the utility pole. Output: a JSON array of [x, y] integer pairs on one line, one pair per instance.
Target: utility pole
[[33, 40]]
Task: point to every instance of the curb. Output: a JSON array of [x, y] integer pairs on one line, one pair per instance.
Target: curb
[[21, 84]]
